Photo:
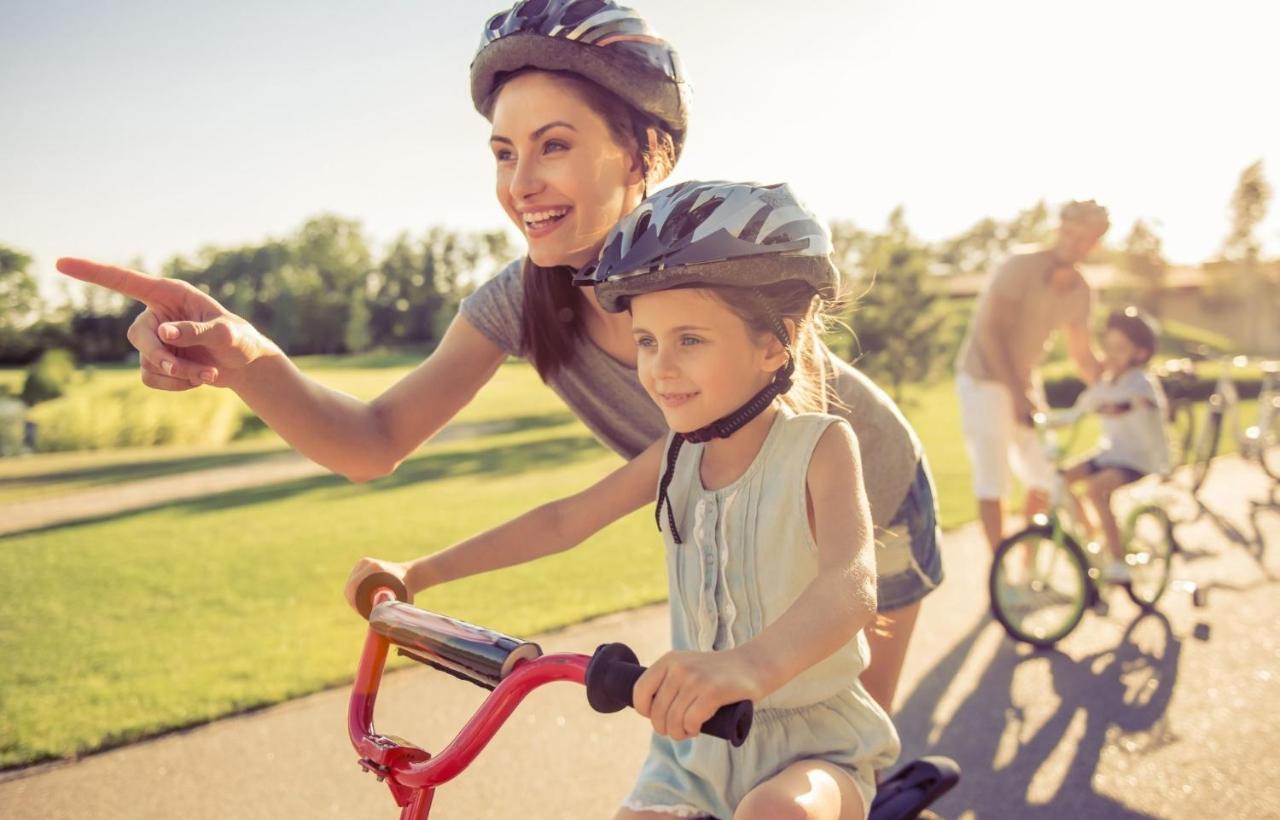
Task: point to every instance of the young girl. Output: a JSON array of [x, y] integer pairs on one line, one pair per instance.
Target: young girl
[[760, 503], [588, 107], [1132, 406]]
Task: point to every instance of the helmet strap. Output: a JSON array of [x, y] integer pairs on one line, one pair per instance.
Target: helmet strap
[[728, 425]]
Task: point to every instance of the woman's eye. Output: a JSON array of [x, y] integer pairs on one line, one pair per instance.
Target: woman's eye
[[644, 341], [554, 145], [503, 154], [690, 340]]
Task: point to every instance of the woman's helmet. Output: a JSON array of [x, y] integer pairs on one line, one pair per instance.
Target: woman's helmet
[[600, 40], [712, 233]]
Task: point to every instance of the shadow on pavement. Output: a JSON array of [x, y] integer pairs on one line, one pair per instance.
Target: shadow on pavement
[[1030, 733]]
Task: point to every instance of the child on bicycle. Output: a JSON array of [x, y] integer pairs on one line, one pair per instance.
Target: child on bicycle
[[1131, 404], [759, 501]]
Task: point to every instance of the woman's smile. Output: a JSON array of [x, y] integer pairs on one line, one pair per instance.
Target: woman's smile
[[538, 222]]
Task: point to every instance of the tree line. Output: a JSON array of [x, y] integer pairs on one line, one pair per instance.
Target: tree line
[[322, 290]]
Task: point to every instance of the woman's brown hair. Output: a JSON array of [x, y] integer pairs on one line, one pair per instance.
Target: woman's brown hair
[[551, 308]]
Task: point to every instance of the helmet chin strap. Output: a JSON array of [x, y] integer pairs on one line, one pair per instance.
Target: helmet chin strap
[[728, 425]]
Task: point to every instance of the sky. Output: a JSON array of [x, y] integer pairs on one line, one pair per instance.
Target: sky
[[140, 129]]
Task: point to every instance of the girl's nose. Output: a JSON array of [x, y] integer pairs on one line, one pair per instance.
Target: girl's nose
[[664, 365]]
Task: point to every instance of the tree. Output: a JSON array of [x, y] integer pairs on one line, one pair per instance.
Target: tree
[[900, 326], [357, 337], [19, 297], [19, 305], [979, 249], [1242, 277], [1248, 208], [1144, 259]]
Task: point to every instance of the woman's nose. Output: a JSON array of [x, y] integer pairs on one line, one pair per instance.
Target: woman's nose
[[526, 181]]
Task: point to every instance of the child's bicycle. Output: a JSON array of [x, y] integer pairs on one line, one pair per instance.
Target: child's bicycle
[[1260, 442], [1045, 577], [511, 669]]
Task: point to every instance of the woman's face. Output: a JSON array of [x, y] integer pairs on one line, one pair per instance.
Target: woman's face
[[562, 178]]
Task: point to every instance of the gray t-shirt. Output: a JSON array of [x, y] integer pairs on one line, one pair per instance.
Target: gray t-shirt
[[607, 396]]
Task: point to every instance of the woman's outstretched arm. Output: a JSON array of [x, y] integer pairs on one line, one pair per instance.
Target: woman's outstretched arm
[[186, 338]]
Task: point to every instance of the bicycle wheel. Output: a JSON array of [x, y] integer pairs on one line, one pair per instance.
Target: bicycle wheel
[[1149, 548], [1269, 437], [1039, 587], [1182, 431], [1206, 446]]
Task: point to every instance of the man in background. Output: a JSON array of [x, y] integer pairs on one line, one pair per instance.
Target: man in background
[[1027, 298]]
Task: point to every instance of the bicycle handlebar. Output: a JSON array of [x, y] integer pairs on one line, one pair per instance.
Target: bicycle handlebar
[[612, 676], [369, 587], [485, 657]]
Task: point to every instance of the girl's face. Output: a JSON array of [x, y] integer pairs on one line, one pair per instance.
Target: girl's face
[[1120, 353], [562, 178], [697, 359]]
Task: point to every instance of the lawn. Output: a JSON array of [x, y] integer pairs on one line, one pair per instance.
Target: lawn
[[184, 613], [45, 474]]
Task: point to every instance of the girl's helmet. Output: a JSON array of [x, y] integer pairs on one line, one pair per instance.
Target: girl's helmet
[[712, 233]]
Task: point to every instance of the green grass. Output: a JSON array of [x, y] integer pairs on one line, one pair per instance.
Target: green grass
[[50, 474], [182, 614]]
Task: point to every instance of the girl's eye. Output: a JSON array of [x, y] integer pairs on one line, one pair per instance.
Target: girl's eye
[[645, 341], [690, 340], [554, 145], [502, 154]]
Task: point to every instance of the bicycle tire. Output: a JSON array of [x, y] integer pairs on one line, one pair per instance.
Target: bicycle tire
[[1206, 446], [1269, 441], [1149, 549], [1061, 591], [1182, 431]]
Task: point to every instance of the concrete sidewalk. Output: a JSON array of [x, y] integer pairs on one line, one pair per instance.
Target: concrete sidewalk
[[130, 496], [1132, 717]]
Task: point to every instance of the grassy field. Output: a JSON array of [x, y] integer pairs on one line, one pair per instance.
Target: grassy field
[[184, 613]]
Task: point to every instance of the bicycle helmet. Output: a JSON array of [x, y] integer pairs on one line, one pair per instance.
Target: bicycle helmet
[[1137, 326], [607, 43], [712, 233], [738, 234]]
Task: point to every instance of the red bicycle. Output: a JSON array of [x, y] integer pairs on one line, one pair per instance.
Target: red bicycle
[[511, 669]]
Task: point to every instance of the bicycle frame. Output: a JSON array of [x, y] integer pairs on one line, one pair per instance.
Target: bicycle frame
[[411, 772]]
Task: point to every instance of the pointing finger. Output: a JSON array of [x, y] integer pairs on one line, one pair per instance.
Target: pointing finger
[[122, 280]]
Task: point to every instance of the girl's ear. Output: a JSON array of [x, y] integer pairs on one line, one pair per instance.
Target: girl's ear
[[775, 355]]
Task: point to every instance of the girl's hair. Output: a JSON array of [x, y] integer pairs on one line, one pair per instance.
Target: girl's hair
[[794, 300], [1139, 328], [551, 311]]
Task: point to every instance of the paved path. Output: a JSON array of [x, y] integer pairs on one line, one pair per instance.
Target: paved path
[[273, 468], [1171, 715]]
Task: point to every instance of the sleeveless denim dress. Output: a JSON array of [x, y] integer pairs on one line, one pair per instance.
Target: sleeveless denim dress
[[748, 554]]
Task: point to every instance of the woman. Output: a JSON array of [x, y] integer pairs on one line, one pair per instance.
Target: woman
[[588, 108]]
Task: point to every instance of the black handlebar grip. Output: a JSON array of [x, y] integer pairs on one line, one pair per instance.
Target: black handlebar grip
[[364, 593], [612, 675]]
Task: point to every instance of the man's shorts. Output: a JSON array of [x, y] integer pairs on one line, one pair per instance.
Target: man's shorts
[[908, 561], [1093, 466], [995, 441]]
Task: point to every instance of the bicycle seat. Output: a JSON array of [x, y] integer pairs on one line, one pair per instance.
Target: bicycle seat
[[914, 787]]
